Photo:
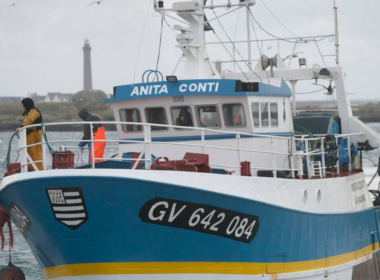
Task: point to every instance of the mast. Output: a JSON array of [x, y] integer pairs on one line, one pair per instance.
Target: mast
[[249, 38], [336, 33]]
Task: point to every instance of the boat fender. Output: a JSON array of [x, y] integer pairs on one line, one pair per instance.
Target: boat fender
[[11, 272], [378, 167], [4, 218]]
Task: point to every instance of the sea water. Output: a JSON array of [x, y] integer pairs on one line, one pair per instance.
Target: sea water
[[21, 254]]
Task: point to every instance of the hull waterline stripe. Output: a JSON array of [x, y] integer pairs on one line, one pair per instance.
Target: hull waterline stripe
[[203, 267]]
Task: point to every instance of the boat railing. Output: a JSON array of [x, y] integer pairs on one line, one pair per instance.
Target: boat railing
[[299, 159]]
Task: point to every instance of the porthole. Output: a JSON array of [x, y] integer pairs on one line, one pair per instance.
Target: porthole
[[304, 196]]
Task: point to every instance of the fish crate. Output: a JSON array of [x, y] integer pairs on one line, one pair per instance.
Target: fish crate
[[12, 168], [66, 160]]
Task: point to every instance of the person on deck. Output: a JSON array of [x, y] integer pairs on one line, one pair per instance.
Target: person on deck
[[98, 134], [33, 135], [184, 118]]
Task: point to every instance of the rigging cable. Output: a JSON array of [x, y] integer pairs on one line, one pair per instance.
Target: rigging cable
[[180, 58], [230, 54], [237, 22], [279, 20], [258, 46], [310, 91], [159, 46], [299, 40], [217, 18], [142, 35], [171, 29]]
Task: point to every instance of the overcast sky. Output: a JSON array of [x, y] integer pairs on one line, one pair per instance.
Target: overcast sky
[[42, 40]]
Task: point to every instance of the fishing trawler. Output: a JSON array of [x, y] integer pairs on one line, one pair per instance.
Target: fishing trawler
[[211, 180]]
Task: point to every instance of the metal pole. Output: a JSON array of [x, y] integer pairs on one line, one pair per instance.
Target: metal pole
[[43, 145], [274, 164], [320, 53], [337, 155], [23, 151], [293, 143], [249, 38], [92, 146], [294, 106], [203, 141], [307, 158], [291, 58], [349, 153], [336, 33], [323, 156], [239, 153], [148, 146]]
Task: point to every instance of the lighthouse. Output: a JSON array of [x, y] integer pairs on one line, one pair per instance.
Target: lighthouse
[[87, 77]]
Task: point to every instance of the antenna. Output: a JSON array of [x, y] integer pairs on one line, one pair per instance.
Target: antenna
[[336, 33]]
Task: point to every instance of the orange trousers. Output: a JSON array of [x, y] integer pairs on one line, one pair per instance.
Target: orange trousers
[[99, 146], [35, 152]]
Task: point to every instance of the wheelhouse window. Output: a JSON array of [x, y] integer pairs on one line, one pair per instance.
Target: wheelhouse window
[[130, 115], [182, 116], [234, 115], [273, 115], [156, 116], [264, 114], [208, 116], [255, 107]]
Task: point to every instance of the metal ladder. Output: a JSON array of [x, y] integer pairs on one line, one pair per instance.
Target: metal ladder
[[316, 167]]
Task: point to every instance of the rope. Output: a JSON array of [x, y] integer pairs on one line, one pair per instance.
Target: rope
[[159, 46], [258, 46], [180, 58], [141, 39], [8, 157], [299, 40], [279, 20], [230, 54], [51, 150], [373, 178], [233, 44]]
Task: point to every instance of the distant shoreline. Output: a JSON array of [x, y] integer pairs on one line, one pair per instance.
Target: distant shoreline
[[59, 128], [11, 114]]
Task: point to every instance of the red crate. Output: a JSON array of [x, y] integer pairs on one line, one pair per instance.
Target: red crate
[[67, 158], [12, 168]]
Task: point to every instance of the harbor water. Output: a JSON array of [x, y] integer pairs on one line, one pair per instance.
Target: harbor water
[[21, 254]]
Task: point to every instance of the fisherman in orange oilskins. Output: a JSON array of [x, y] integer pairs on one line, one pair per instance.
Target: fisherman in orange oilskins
[[98, 134], [34, 135]]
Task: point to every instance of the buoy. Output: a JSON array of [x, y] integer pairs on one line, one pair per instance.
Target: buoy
[[4, 218], [11, 272]]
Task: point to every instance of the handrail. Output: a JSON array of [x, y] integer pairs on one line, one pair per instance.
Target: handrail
[[295, 158]]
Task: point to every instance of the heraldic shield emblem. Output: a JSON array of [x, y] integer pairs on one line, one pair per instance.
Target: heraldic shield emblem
[[68, 205]]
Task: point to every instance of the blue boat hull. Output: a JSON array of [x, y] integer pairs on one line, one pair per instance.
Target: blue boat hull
[[130, 226]]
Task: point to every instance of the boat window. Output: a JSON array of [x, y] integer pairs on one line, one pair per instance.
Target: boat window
[[264, 115], [158, 116], [273, 115], [130, 115], [182, 116], [255, 107], [234, 115], [208, 116]]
